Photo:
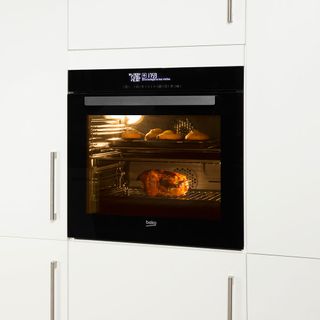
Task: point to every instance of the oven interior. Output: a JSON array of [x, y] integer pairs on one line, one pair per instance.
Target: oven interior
[[170, 174]]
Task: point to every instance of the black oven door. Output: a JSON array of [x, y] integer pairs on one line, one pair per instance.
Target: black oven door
[[159, 168]]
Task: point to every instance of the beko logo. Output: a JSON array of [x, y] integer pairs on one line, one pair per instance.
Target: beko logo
[[151, 223], [146, 76]]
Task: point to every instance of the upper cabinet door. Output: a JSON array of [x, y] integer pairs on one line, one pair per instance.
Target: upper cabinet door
[[283, 127], [99, 24], [33, 82], [121, 282]]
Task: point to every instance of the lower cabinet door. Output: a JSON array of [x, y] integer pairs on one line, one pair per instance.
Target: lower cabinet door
[[136, 282], [33, 279], [281, 288]]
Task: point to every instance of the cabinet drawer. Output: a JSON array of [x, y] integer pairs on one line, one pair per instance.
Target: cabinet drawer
[[120, 282], [98, 24]]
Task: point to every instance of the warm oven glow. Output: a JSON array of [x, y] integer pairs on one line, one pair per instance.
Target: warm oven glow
[[132, 119]]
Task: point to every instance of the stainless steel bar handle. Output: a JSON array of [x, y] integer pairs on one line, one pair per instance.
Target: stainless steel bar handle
[[230, 295], [53, 157], [229, 11], [53, 266]]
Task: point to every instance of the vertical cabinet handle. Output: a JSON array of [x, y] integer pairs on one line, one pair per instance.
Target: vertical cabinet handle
[[229, 11], [230, 294], [53, 266], [53, 157]]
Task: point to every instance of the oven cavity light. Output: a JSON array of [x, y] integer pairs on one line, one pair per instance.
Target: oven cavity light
[[126, 119]]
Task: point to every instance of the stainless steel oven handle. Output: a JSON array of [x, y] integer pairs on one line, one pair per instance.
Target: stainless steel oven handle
[[53, 157], [229, 11], [195, 100], [230, 296], [53, 266]]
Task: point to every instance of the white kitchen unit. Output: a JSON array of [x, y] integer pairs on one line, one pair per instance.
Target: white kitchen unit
[[33, 101], [283, 176], [33, 278], [98, 24], [122, 281], [283, 288]]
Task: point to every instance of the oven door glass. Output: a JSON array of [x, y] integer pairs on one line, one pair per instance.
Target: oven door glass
[[160, 165]]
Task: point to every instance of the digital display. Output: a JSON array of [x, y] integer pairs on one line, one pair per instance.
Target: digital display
[[147, 76]]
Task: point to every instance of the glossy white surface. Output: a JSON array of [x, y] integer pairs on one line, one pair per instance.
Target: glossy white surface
[[33, 81], [121, 281], [25, 279], [98, 24], [283, 288], [283, 176]]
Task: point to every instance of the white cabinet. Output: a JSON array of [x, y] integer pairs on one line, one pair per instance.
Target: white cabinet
[[99, 24], [283, 288], [33, 82], [29, 288], [122, 282], [283, 176]]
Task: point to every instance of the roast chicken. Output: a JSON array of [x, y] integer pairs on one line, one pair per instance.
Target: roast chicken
[[164, 183]]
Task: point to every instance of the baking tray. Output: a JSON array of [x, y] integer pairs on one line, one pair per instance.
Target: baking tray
[[183, 144]]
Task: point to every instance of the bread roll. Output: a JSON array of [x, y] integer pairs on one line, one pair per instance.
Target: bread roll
[[152, 134], [196, 135], [132, 134], [169, 135]]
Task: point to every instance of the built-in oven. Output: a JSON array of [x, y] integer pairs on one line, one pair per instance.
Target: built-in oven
[[156, 156]]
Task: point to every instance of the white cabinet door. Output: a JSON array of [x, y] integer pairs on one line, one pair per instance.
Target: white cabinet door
[[98, 24], [33, 82], [123, 282], [281, 288], [28, 285], [283, 127]]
